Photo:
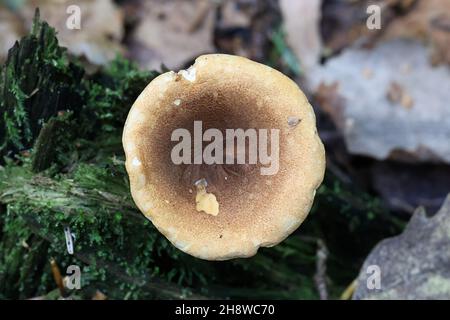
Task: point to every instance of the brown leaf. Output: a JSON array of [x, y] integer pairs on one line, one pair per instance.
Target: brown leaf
[[429, 21], [173, 32], [99, 296], [328, 99], [344, 22]]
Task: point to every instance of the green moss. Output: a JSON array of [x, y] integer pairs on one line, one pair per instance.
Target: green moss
[[36, 82], [111, 91]]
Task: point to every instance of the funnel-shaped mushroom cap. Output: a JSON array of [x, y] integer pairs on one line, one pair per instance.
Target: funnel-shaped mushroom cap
[[224, 210]]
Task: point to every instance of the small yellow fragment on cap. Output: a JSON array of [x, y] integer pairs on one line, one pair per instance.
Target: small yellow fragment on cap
[[206, 202]]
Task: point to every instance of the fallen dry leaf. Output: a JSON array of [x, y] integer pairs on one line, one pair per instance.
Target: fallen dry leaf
[[233, 15], [101, 30], [428, 20], [247, 27], [344, 22], [331, 102], [370, 124], [302, 26], [98, 295], [173, 32]]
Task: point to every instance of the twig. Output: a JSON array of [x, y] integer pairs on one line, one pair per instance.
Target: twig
[[348, 292], [58, 278], [320, 278]]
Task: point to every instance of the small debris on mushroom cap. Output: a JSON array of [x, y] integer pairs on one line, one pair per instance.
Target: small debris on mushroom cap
[[206, 202], [293, 121], [177, 102]]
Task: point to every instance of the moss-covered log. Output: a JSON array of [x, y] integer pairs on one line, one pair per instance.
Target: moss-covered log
[[36, 81]]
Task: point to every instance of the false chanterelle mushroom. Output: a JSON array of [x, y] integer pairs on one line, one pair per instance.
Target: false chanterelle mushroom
[[223, 210]]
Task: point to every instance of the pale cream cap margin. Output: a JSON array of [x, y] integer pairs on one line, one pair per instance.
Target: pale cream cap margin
[[286, 208]]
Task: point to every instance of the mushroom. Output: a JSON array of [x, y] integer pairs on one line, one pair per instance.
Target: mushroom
[[228, 209]]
